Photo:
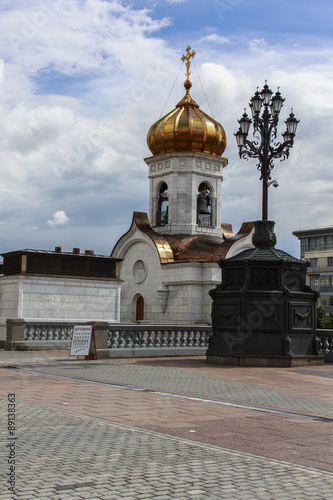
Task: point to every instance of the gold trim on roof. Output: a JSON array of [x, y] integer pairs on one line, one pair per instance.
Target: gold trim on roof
[[188, 248], [162, 246]]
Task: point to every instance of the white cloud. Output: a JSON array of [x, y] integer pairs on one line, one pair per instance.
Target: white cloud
[[78, 37], [58, 219], [214, 38], [83, 145]]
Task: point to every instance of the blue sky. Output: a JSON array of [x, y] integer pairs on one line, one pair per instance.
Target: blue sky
[[274, 20], [81, 82]]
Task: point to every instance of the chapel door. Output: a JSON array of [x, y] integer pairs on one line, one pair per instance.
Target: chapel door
[[140, 308]]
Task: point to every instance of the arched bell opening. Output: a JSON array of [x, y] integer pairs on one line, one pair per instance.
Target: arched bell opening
[[163, 205], [204, 211]]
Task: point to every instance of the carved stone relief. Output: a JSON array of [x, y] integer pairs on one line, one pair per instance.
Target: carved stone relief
[[140, 271]]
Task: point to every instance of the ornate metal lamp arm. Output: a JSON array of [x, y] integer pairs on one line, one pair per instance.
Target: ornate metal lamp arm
[[249, 149], [266, 126], [282, 150]]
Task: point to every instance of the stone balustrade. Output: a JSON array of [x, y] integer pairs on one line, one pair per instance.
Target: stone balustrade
[[130, 340], [137, 340], [122, 340], [326, 340], [47, 332]]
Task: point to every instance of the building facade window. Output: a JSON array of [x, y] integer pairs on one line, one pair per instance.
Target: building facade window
[[313, 243], [330, 261], [329, 242], [326, 280], [314, 262], [314, 282], [326, 300]]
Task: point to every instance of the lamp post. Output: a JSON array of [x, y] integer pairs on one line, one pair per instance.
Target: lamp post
[[264, 274], [265, 131]]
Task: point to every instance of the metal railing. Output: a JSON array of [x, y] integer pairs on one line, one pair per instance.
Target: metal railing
[[205, 220]]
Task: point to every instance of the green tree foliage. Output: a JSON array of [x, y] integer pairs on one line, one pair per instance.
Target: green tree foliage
[[324, 321]]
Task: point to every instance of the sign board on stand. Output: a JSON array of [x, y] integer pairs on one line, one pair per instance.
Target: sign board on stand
[[83, 341]]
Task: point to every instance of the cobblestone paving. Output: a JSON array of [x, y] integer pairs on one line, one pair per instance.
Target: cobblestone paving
[[176, 380], [61, 455]]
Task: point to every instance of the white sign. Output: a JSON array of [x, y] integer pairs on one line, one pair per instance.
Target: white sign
[[81, 339]]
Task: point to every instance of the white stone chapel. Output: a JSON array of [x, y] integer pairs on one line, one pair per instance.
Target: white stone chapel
[[170, 259]]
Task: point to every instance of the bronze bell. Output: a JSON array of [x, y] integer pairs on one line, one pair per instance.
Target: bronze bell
[[203, 205]]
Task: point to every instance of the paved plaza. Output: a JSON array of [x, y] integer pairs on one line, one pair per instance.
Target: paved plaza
[[167, 428]]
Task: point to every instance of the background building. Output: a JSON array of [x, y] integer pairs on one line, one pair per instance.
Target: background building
[[317, 248], [59, 286]]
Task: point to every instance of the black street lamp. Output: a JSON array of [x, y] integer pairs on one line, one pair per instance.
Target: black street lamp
[[265, 130]]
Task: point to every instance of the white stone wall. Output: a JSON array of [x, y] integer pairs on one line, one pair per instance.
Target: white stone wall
[[10, 297], [189, 301], [172, 293], [71, 299], [143, 249]]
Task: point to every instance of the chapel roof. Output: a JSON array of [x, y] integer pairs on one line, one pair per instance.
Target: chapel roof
[[188, 248]]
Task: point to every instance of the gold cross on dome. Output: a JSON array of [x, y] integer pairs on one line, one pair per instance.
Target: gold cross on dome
[[187, 58]]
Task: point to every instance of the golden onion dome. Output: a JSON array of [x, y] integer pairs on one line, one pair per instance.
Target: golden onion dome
[[187, 128]]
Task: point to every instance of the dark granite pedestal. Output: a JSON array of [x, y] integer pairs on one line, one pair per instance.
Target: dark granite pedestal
[[263, 313]]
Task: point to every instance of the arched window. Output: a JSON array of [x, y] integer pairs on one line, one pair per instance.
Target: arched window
[[204, 215], [163, 205], [140, 308]]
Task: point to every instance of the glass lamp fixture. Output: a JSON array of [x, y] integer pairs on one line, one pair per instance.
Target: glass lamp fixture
[[287, 136], [239, 138], [276, 103], [266, 94], [291, 123], [245, 123], [256, 103]]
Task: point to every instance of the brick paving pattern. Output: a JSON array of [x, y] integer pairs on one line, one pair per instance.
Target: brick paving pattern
[[189, 382], [80, 440], [63, 455]]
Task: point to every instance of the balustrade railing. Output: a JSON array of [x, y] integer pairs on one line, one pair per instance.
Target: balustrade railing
[[136, 337], [48, 332], [326, 344]]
